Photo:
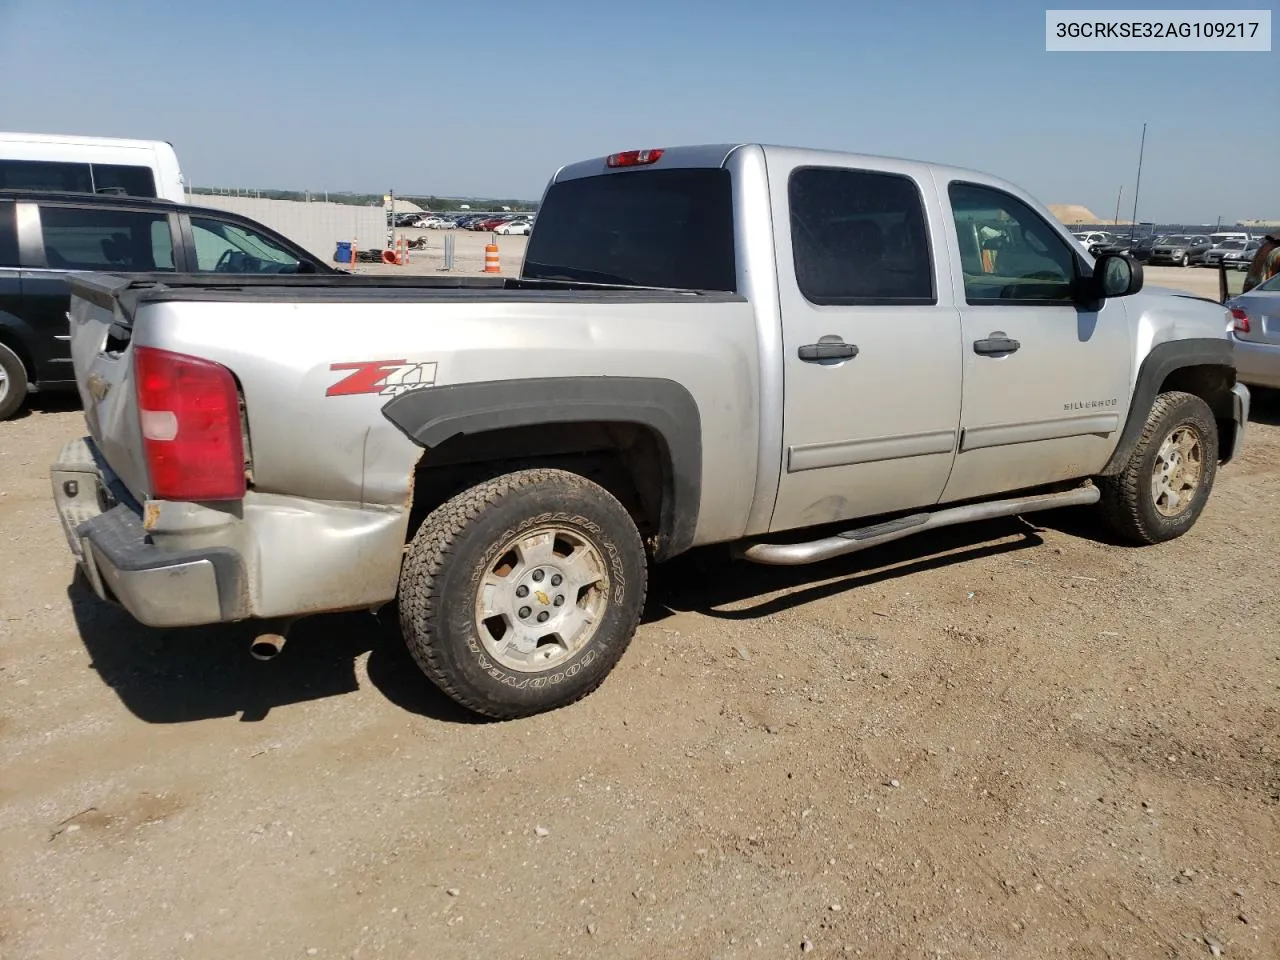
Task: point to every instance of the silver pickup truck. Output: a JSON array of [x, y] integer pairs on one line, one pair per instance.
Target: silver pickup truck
[[801, 353]]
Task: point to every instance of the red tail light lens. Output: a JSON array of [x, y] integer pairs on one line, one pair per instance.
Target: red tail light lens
[[1241, 324], [634, 158], [189, 410]]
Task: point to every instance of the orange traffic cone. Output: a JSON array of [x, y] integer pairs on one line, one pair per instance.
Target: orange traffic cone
[[492, 263]]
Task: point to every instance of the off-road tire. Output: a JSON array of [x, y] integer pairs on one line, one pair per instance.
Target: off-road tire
[[458, 543], [1128, 506], [13, 388]]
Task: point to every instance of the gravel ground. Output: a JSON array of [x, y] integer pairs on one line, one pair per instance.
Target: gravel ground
[[1003, 740]]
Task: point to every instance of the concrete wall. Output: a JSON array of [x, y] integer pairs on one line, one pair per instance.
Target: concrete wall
[[315, 226]]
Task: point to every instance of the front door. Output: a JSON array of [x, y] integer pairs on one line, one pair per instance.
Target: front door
[[871, 343], [1046, 377]]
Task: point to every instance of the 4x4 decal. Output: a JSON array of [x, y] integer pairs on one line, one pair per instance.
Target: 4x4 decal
[[385, 378]]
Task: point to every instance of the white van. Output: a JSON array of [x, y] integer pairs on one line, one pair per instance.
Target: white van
[[71, 164]]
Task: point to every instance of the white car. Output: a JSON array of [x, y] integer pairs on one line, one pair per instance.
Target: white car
[[428, 223], [514, 228], [1093, 237]]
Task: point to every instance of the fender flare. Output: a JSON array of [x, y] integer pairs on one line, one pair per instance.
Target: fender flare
[[433, 415], [1163, 360]]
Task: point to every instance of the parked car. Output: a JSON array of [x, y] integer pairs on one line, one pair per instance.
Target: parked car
[[1241, 259], [45, 237], [1217, 252], [1255, 333], [739, 374], [1140, 247], [513, 228], [1094, 238], [1181, 249], [1126, 246], [485, 226]]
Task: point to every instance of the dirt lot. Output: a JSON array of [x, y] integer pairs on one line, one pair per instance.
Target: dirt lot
[[1008, 741]]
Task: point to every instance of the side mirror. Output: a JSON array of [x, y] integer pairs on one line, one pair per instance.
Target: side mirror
[[1116, 275]]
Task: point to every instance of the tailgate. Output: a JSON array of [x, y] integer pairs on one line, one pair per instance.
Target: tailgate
[[101, 328]]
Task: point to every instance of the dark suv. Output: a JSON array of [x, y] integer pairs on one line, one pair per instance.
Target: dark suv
[[46, 236]]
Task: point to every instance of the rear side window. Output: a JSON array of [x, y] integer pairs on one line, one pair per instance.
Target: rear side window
[[653, 228], [859, 237], [78, 238], [121, 178], [67, 177], [8, 237], [46, 175]]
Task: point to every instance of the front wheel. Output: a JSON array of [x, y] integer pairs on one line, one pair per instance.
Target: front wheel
[[1166, 481], [1185, 261], [520, 594]]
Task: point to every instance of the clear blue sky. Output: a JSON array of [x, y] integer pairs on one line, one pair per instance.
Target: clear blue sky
[[488, 97]]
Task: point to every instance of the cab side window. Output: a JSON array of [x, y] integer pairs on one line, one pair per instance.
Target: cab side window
[[859, 237], [100, 238], [1008, 252]]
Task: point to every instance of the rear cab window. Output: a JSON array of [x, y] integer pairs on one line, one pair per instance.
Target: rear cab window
[[859, 237], [652, 228], [98, 238]]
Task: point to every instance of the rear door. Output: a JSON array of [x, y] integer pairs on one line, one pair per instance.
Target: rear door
[[59, 239], [871, 339], [1046, 378]]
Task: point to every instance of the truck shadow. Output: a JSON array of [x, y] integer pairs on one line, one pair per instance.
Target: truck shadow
[[200, 673], [709, 580]]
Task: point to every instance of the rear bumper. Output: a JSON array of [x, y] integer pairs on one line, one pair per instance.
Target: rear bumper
[[1257, 363], [159, 588]]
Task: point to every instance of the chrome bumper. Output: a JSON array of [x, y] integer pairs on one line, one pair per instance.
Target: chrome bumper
[[122, 565]]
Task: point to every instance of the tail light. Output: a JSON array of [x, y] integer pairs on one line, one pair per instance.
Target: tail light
[[1241, 320], [189, 411], [633, 158]]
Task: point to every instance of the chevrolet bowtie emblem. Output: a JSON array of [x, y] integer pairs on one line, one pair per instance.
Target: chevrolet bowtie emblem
[[542, 597]]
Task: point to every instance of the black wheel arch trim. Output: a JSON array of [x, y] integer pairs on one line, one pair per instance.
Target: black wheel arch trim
[[433, 415], [1164, 359]]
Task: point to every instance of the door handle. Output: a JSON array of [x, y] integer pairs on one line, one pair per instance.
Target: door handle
[[827, 350], [997, 345]]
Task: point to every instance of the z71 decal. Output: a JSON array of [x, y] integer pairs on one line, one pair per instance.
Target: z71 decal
[[385, 378]]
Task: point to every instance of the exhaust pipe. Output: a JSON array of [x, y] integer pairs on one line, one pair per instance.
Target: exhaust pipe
[[268, 644]]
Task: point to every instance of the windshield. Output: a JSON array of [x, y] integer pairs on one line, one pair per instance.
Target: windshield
[[1271, 286], [1231, 244], [1177, 241]]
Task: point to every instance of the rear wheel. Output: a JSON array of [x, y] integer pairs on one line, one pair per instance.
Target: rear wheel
[[13, 382], [1166, 481], [520, 594]]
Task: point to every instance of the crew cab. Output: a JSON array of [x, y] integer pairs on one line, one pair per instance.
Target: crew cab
[[800, 353], [46, 237]]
